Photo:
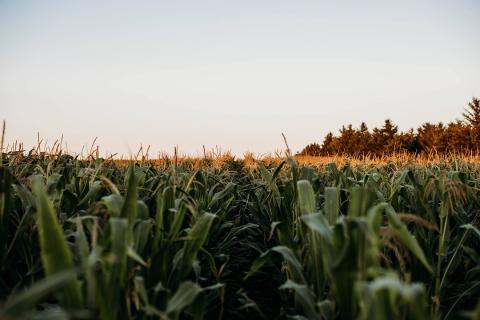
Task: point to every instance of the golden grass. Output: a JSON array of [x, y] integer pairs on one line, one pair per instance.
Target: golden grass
[[218, 158]]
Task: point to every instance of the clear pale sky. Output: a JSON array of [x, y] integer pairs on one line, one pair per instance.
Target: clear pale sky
[[233, 74]]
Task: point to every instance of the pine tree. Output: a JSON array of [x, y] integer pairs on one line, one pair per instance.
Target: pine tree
[[313, 149], [364, 139], [472, 113], [430, 137], [472, 117], [459, 136], [329, 145], [389, 129], [363, 127]]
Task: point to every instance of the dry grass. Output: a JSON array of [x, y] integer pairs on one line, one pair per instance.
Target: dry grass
[[218, 158]]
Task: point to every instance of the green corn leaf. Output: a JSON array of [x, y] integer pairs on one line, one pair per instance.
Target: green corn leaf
[[131, 253], [225, 193], [114, 204], [185, 295], [318, 223], [375, 216], [5, 191], [81, 243], [258, 264], [273, 227], [387, 297], [326, 309], [140, 289], [331, 206], [92, 193], [159, 214], [87, 260], [118, 238], [141, 235], [304, 296], [55, 254], [27, 198], [306, 197], [401, 232], [26, 300], [294, 265], [178, 217], [129, 209], [196, 238], [470, 226], [142, 210]]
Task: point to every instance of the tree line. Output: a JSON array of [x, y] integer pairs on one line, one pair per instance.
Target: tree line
[[460, 136]]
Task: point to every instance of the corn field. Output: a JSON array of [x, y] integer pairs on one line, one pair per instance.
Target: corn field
[[95, 239]]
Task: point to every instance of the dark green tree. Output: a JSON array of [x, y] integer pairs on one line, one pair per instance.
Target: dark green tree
[[313, 149], [472, 117], [456, 137], [330, 145], [472, 113], [383, 139], [430, 137]]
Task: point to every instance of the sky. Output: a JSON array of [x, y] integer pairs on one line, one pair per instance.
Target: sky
[[231, 75]]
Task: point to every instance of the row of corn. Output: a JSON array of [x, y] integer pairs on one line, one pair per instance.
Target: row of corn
[[97, 240]]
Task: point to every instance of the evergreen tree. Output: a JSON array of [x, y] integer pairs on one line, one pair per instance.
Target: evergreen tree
[[383, 139], [389, 131], [347, 140], [472, 113], [407, 141], [472, 117], [313, 149], [459, 136], [329, 145], [430, 137], [364, 139]]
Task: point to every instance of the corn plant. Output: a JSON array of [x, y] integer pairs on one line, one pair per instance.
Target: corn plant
[[98, 239]]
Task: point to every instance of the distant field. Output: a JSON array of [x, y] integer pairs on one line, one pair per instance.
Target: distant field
[[220, 237]]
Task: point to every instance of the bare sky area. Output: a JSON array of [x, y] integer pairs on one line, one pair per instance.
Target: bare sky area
[[233, 74]]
